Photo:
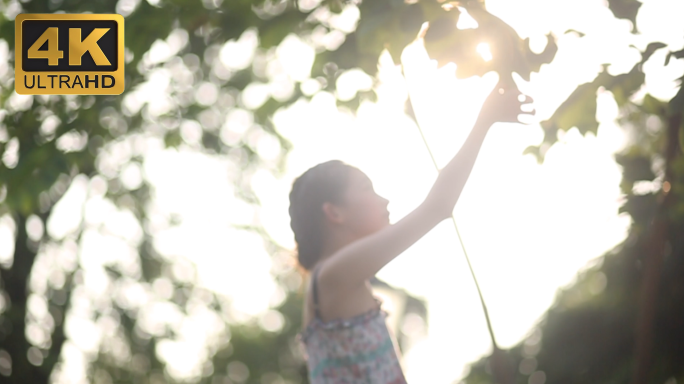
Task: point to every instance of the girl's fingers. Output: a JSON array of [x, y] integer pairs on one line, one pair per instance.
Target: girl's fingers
[[526, 119], [423, 30], [525, 99], [527, 107]]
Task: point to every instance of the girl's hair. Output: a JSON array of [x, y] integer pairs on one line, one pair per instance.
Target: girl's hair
[[322, 183]]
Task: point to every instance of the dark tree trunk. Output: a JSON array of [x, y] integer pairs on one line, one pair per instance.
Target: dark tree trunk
[[13, 322], [654, 254], [15, 281]]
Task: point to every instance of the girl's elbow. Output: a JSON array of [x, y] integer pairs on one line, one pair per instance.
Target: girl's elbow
[[438, 210]]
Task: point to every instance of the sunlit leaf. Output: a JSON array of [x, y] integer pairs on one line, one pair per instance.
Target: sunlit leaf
[[650, 50], [624, 85], [625, 9], [677, 55], [545, 57]]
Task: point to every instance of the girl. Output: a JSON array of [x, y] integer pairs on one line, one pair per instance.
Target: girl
[[344, 236]]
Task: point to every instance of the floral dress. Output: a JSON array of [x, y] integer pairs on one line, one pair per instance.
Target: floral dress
[[356, 350]]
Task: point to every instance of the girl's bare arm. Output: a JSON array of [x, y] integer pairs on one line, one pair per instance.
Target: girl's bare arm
[[362, 259], [352, 265]]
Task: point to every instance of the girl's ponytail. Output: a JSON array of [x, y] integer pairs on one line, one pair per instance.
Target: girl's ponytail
[[322, 183]]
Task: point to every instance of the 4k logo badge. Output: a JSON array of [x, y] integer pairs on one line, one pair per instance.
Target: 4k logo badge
[[77, 54]]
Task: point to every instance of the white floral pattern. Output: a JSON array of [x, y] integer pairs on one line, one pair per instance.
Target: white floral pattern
[[357, 350]]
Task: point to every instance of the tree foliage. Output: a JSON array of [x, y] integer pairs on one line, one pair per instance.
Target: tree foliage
[[620, 322]]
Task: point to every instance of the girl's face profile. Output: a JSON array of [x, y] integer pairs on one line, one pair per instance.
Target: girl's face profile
[[364, 211]]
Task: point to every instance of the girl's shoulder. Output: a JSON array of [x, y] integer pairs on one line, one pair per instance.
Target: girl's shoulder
[[354, 324]]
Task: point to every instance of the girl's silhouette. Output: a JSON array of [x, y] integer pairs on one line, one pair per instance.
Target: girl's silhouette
[[344, 237]]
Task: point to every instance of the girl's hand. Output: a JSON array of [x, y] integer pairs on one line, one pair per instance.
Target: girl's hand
[[504, 105]]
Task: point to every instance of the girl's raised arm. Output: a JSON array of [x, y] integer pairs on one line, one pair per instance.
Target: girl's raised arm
[[353, 264]]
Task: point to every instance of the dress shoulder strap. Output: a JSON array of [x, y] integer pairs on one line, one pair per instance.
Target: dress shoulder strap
[[317, 311]]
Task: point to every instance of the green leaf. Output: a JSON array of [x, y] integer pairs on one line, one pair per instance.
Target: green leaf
[[534, 150], [581, 34], [545, 57], [625, 9], [272, 32], [144, 26], [624, 85], [578, 110], [640, 207], [635, 167], [653, 106], [677, 55], [406, 23], [676, 105], [172, 139], [650, 50], [445, 43], [335, 6]]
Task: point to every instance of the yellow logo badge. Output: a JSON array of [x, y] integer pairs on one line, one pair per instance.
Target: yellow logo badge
[[74, 54]]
